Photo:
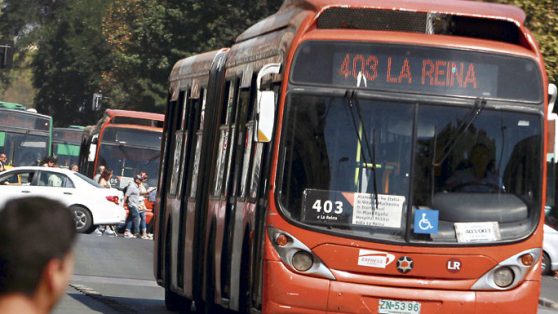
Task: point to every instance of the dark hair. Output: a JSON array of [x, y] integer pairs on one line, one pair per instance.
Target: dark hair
[[33, 231], [106, 174]]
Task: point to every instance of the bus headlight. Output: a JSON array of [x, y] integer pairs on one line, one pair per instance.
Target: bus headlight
[[297, 256], [503, 277], [509, 273], [302, 261]]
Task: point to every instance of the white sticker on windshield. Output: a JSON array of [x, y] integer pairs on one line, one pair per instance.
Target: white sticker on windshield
[[522, 123], [388, 214], [468, 232], [377, 259]]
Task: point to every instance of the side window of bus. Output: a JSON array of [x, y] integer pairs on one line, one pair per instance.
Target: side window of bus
[[247, 133], [199, 134], [186, 126], [224, 142], [230, 121], [176, 137]]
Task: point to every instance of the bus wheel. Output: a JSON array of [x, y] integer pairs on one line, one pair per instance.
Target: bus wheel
[[82, 216], [175, 302], [545, 265]]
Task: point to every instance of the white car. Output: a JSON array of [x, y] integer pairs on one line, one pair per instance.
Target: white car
[[91, 204], [550, 250]]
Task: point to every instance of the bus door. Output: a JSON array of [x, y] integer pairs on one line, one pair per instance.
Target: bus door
[[218, 216], [192, 228], [177, 136], [237, 224]]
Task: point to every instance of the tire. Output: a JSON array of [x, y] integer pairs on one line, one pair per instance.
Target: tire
[[176, 302], [83, 219], [545, 265]]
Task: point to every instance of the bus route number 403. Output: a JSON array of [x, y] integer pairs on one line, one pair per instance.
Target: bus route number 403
[[328, 206], [398, 307]]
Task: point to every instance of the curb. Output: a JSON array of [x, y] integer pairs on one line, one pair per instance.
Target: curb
[[548, 303]]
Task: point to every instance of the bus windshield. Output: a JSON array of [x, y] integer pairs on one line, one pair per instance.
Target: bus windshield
[[23, 149], [129, 151], [463, 173]]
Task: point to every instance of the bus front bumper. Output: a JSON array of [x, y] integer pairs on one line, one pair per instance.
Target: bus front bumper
[[289, 292]]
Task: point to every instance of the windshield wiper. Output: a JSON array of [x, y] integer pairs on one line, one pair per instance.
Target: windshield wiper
[[352, 103], [466, 122]]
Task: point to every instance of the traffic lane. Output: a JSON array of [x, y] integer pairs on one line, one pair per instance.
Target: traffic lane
[[549, 291], [112, 275], [114, 257]]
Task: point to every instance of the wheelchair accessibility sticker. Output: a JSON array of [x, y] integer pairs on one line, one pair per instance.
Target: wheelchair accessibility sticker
[[426, 221]]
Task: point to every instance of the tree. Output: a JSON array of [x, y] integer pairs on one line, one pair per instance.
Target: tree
[[542, 21], [71, 55], [148, 36]]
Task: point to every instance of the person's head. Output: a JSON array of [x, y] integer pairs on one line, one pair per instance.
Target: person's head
[[138, 179], [51, 161], [36, 251], [74, 167], [144, 176], [3, 157], [106, 174], [480, 158]]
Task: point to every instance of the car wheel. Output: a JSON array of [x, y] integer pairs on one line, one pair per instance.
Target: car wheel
[[545, 264], [82, 216]]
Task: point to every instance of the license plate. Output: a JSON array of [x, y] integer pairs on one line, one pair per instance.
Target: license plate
[[398, 307]]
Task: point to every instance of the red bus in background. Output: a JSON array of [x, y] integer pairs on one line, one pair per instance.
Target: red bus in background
[[126, 142], [357, 157]]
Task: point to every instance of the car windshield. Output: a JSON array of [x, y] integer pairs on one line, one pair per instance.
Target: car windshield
[[439, 173], [88, 180]]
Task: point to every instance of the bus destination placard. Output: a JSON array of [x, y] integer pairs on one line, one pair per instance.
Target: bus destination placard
[[322, 207], [417, 69]]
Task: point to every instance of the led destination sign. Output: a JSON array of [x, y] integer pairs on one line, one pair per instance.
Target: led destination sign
[[380, 71], [422, 70]]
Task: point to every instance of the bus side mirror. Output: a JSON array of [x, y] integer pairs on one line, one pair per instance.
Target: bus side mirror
[[265, 105], [552, 92]]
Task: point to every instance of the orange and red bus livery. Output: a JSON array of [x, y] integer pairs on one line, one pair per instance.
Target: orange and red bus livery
[[357, 157]]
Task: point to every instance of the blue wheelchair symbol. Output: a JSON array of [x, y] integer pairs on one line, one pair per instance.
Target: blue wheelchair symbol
[[426, 221]]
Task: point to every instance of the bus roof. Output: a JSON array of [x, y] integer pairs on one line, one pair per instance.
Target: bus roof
[[11, 105], [112, 113], [135, 127], [453, 7], [472, 9]]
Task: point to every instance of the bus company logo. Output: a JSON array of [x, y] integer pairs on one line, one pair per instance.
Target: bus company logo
[[404, 264], [377, 259]]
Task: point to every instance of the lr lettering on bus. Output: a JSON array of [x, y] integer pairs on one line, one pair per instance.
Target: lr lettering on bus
[[454, 265]]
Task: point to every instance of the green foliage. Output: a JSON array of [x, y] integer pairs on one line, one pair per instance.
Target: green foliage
[[71, 53], [148, 36]]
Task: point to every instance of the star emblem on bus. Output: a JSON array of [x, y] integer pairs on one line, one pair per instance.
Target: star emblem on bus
[[404, 264]]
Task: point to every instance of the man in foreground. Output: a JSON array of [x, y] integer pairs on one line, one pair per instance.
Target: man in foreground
[[36, 254]]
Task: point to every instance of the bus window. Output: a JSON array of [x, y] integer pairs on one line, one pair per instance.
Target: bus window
[[197, 151]]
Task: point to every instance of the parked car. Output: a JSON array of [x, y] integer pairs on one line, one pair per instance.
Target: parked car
[[91, 204], [550, 250]]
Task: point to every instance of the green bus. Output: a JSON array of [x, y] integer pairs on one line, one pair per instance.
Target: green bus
[[25, 135], [66, 144]]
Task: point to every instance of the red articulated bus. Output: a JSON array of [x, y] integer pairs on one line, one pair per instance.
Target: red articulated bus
[[126, 142], [357, 157]]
